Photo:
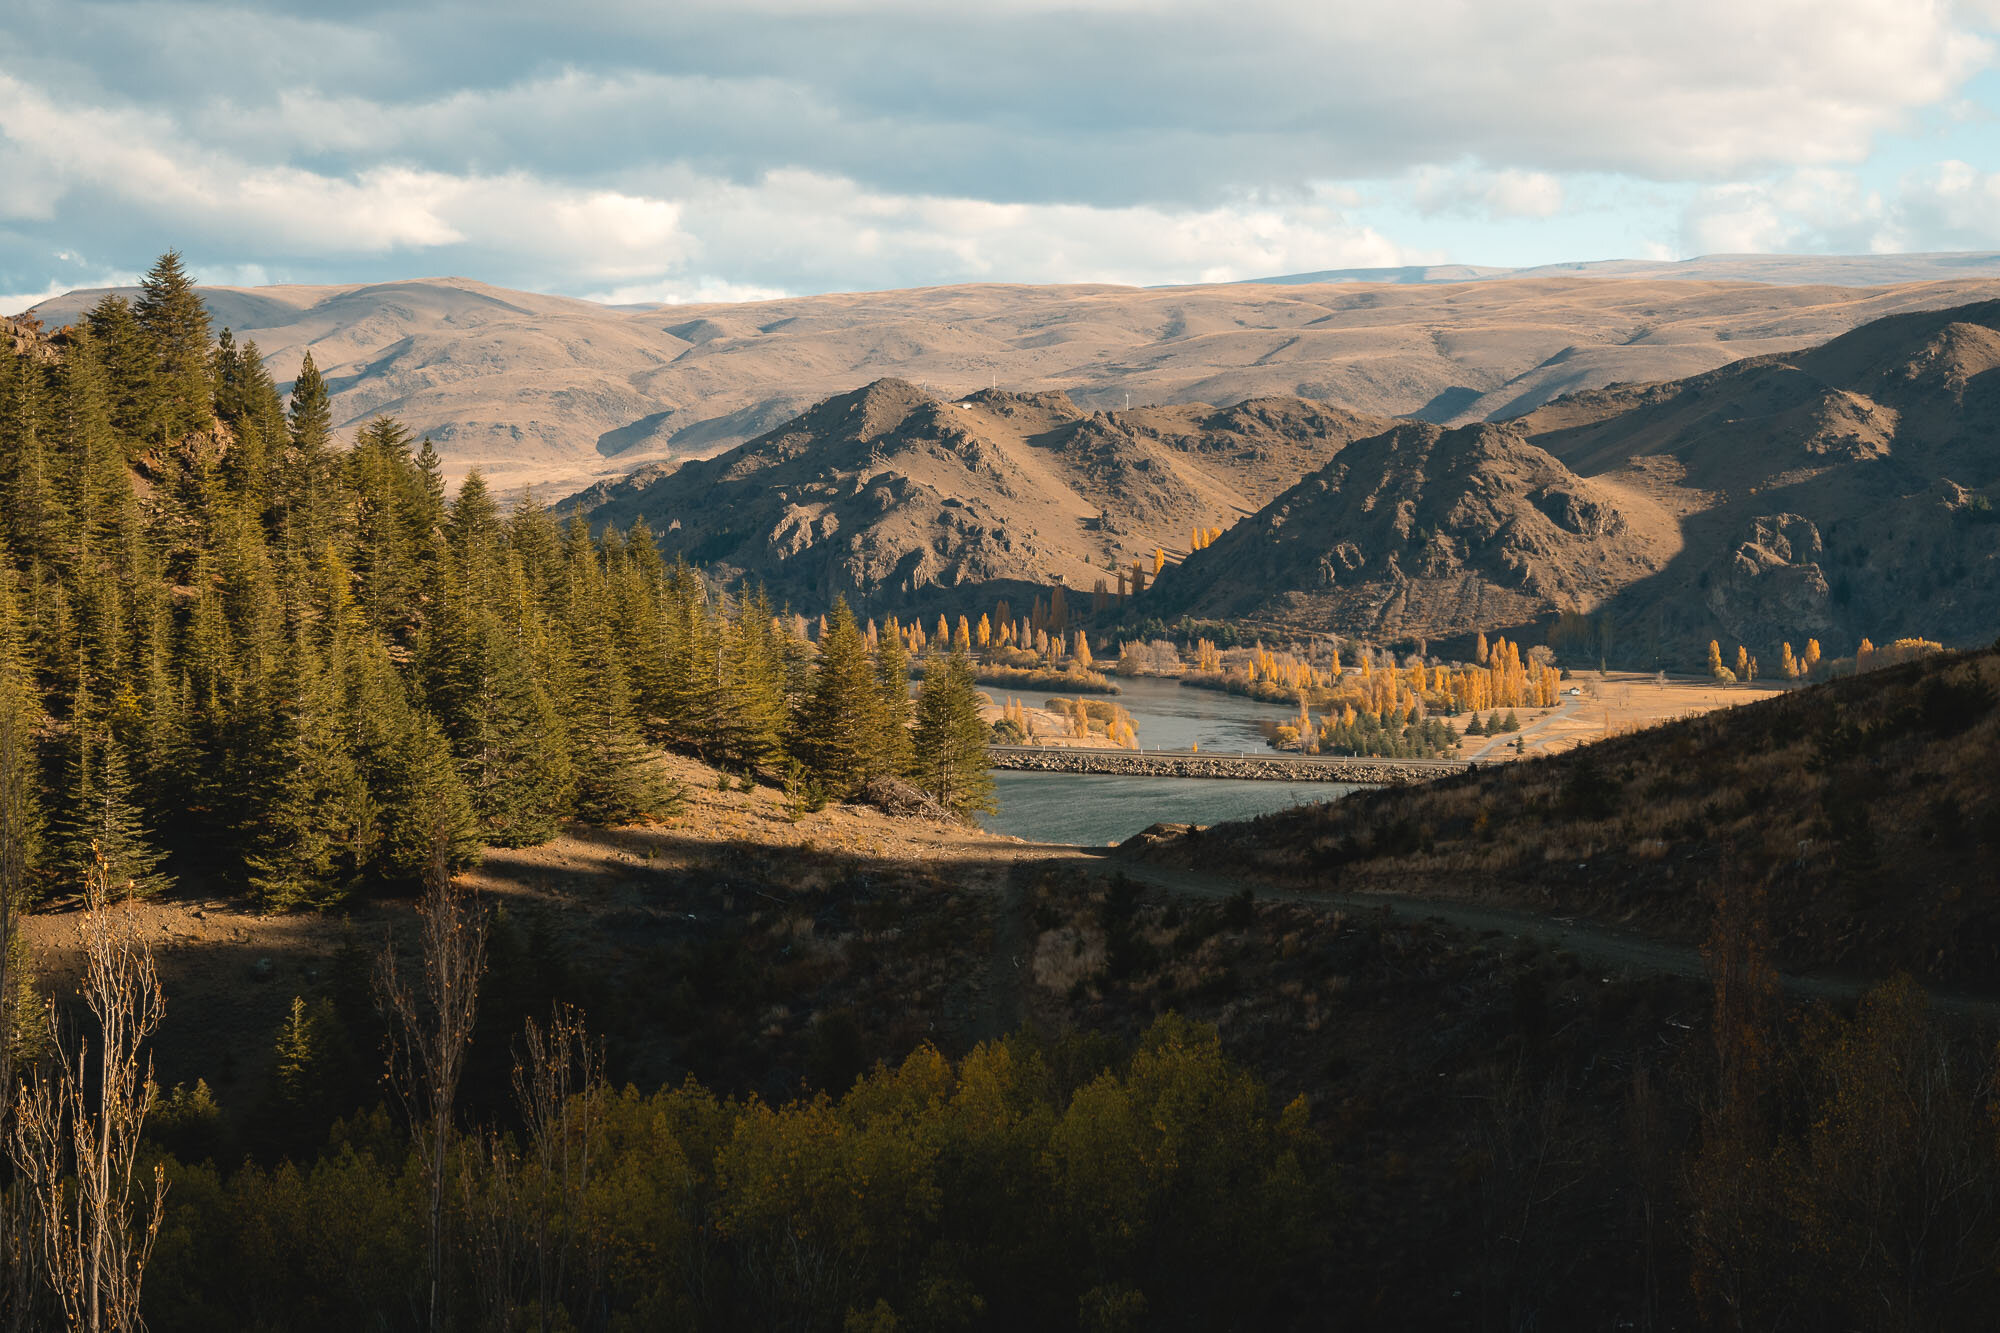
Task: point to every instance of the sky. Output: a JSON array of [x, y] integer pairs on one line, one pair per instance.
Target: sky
[[694, 151]]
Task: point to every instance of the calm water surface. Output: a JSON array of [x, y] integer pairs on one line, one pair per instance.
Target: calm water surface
[[1098, 808], [1092, 809]]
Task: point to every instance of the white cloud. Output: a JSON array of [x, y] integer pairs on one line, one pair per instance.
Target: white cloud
[[676, 152], [1949, 206], [1954, 206], [883, 237], [1492, 195]]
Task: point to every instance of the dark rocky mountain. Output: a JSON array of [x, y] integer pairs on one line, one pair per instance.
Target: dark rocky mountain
[[1425, 531], [897, 499], [1836, 493]]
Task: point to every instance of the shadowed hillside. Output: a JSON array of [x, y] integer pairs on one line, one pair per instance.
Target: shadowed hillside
[[1863, 811], [1425, 531]]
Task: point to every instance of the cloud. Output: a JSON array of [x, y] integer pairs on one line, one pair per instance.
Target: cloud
[[716, 146], [1492, 195], [1954, 206], [1948, 206]]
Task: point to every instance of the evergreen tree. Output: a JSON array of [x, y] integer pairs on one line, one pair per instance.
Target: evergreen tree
[[892, 678], [315, 830], [618, 778], [20, 716], [511, 747], [308, 482], [386, 562], [837, 733], [753, 672], [407, 764], [175, 325], [129, 365], [104, 820], [32, 514], [950, 743]]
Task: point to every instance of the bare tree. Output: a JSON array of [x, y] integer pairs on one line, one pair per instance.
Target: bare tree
[[16, 821], [531, 1244], [558, 1084], [498, 1240], [83, 1119], [431, 1027]]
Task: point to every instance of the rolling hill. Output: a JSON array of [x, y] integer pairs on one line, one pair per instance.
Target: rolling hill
[[563, 392]]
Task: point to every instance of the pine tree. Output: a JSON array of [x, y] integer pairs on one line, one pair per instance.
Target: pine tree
[[130, 366], [20, 716], [837, 733], [691, 674], [176, 329], [753, 673], [511, 746], [950, 743], [29, 506], [385, 559], [617, 778], [313, 834], [104, 821], [308, 481], [892, 679]]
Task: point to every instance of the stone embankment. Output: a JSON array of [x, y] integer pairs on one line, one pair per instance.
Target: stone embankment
[[1182, 764]]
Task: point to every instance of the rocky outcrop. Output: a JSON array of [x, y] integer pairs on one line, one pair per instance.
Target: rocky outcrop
[[1420, 531]]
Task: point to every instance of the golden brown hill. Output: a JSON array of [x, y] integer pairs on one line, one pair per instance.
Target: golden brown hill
[[892, 497], [1837, 493], [563, 392]]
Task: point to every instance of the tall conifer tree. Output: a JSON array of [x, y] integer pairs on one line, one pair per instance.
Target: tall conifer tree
[[176, 329], [950, 742], [837, 734]]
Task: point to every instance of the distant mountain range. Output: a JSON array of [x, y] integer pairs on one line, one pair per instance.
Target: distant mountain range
[[563, 392], [1837, 492], [1782, 270]]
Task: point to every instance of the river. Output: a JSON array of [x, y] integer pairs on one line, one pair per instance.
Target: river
[[1094, 809]]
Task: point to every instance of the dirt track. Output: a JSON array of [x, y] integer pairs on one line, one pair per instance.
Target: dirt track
[[1591, 942]]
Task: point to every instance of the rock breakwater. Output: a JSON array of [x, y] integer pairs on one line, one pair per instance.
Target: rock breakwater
[[1275, 768]]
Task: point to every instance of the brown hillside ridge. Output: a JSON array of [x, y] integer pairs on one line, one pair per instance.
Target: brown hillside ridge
[[1861, 815], [562, 392], [891, 496], [1839, 492]]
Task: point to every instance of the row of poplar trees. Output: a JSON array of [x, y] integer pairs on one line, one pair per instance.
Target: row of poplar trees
[[245, 651]]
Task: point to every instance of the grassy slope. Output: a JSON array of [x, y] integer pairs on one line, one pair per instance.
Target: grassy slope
[[1865, 809]]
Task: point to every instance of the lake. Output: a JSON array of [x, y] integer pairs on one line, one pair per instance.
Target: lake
[[1092, 809]]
